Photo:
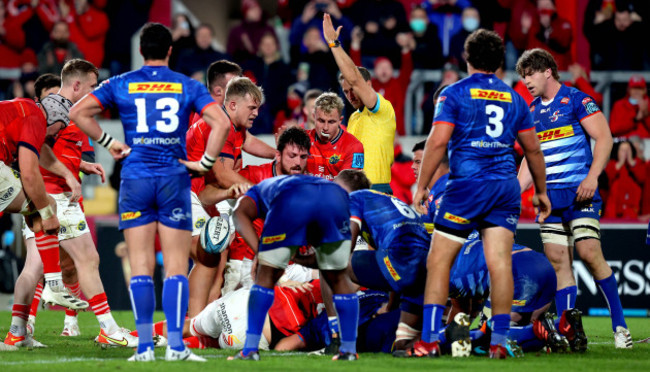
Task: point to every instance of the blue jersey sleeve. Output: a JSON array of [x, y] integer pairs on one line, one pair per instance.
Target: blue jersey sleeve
[[255, 195], [316, 333], [446, 108], [356, 206], [526, 118], [104, 94], [583, 105]]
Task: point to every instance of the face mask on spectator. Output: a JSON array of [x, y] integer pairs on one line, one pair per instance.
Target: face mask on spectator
[[470, 24], [633, 101], [418, 25]]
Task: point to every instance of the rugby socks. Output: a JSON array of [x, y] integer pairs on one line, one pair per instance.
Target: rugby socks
[[175, 297], [565, 299], [259, 303], [526, 338], [333, 323], [75, 289], [347, 308], [143, 301], [432, 322], [37, 300], [19, 314], [102, 311], [500, 328], [48, 249], [609, 289]]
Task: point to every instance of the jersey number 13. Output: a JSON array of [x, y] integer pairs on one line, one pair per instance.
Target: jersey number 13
[[168, 108]]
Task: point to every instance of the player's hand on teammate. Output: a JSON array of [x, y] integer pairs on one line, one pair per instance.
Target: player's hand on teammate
[[421, 201], [328, 29], [75, 187], [237, 190], [297, 286], [119, 150], [194, 167], [93, 168], [587, 189], [542, 206]]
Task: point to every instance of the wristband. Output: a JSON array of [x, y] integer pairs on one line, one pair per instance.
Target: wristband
[[334, 44], [106, 140], [207, 162], [47, 212]]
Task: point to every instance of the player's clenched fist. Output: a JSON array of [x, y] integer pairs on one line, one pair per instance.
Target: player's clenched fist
[[421, 202]]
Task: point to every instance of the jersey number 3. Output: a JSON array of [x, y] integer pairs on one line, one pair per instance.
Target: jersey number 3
[[495, 126], [168, 109]]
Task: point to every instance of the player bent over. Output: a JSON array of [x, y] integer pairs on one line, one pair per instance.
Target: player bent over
[[298, 210], [155, 104], [565, 120]]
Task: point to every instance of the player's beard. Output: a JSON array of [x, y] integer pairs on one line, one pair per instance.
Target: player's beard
[[292, 170]]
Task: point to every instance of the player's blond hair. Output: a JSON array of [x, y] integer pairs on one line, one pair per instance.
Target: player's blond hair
[[240, 87], [328, 101]]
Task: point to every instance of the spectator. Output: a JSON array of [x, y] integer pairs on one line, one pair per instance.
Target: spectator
[[273, 75], [183, 37], [193, 62], [381, 21], [311, 18], [38, 17], [630, 114], [402, 176], [88, 27], [552, 33], [127, 17], [392, 88], [12, 39], [446, 14], [450, 75], [427, 53], [626, 175], [58, 50], [470, 21], [306, 120], [245, 38], [292, 114], [316, 64], [522, 15], [24, 87], [615, 34]]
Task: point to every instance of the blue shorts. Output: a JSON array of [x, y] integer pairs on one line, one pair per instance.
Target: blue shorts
[[565, 208], [307, 214], [535, 281], [165, 199], [471, 205]]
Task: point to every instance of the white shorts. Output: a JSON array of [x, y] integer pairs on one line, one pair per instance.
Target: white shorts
[[10, 186], [71, 217], [199, 215]]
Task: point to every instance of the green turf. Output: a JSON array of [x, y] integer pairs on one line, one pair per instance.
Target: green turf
[[80, 353]]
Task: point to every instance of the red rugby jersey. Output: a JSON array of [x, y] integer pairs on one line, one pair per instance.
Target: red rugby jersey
[[22, 123], [292, 310], [326, 160], [70, 143]]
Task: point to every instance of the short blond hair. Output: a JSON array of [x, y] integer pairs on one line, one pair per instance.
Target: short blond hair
[[241, 86], [328, 101]]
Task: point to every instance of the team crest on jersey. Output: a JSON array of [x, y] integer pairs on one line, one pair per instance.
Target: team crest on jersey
[[126, 216], [557, 133], [491, 95], [532, 108], [456, 219], [565, 100], [81, 226], [334, 159], [273, 239], [439, 103], [155, 87], [199, 223], [556, 115], [391, 270]]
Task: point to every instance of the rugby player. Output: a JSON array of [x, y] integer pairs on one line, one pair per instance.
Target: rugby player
[[566, 121], [155, 104]]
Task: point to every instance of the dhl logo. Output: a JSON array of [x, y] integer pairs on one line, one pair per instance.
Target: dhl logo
[[273, 239], [492, 95], [518, 302], [456, 219], [126, 216], [155, 87], [557, 133], [391, 269]]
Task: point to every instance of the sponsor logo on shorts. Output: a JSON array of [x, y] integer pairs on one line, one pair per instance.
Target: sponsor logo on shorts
[[8, 194], [16, 174], [357, 160], [334, 159], [513, 219], [273, 239], [81, 226], [155, 87], [178, 215], [588, 209], [565, 100], [63, 230], [199, 223], [391, 269], [126, 216], [557, 133], [230, 340], [223, 316], [456, 219], [491, 95], [518, 302]]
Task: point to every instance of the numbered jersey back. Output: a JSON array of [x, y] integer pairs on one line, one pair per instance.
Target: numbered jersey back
[[155, 104], [487, 115]]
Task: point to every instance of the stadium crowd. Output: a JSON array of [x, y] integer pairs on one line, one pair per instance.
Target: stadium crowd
[[353, 242]]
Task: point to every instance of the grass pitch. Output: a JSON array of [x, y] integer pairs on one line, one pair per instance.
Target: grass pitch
[[80, 354]]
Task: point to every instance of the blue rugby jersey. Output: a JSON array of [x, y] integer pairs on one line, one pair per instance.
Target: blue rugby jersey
[[566, 146], [487, 116], [155, 104]]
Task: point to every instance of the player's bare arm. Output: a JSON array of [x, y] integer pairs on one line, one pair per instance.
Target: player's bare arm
[[34, 187], [434, 151], [49, 161], [244, 214], [257, 147], [92, 168], [213, 194], [349, 71], [219, 124], [598, 129], [524, 176], [83, 115], [225, 174], [537, 169]]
